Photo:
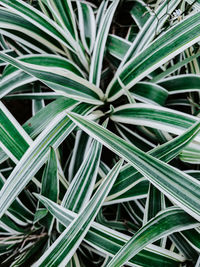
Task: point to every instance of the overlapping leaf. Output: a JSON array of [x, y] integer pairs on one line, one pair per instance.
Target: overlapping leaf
[[63, 81], [108, 241], [180, 188], [165, 47], [64, 247], [168, 221], [36, 156]]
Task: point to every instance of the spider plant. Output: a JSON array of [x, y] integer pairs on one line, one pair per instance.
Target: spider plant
[[99, 133]]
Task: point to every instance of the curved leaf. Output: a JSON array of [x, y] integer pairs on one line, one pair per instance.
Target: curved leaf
[[165, 47], [166, 222], [65, 82], [64, 247], [182, 189]]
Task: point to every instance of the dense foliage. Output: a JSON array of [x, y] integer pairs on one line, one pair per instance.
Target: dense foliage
[[99, 133]]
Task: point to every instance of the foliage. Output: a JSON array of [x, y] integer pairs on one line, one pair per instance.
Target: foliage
[[99, 133]]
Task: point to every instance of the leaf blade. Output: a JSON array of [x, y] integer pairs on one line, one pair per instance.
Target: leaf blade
[[163, 176], [172, 219], [64, 247]]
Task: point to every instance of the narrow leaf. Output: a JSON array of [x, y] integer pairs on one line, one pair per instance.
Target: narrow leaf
[[64, 247], [175, 184], [98, 53], [110, 241], [166, 222], [164, 48], [63, 81], [36, 155]]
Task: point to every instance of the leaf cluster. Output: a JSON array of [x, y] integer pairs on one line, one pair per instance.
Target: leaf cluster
[[99, 133]]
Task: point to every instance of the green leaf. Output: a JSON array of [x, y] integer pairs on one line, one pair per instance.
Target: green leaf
[[193, 237], [41, 21], [130, 183], [164, 48], [10, 52], [49, 179], [154, 116], [181, 84], [154, 203], [65, 82], [175, 67], [196, 3], [28, 34], [63, 14], [149, 93], [100, 42], [17, 208], [87, 26], [132, 137], [50, 185], [33, 159], [82, 142], [117, 46], [39, 122], [150, 28], [166, 222], [191, 154], [140, 13], [109, 241], [45, 60], [182, 189], [40, 214], [37, 104], [64, 247], [81, 187], [36, 124], [33, 96], [183, 246], [14, 140], [101, 12]]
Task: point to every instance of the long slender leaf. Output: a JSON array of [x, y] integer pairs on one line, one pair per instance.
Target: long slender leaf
[[150, 28], [180, 188], [166, 222], [14, 140], [196, 3], [37, 123], [154, 116], [102, 34], [36, 156], [87, 26], [81, 187], [181, 84], [130, 182], [64, 247], [164, 48], [149, 93], [174, 68], [109, 241], [41, 21], [64, 15], [63, 81], [12, 78], [50, 185], [81, 145], [26, 33], [140, 13], [17, 207], [117, 46]]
